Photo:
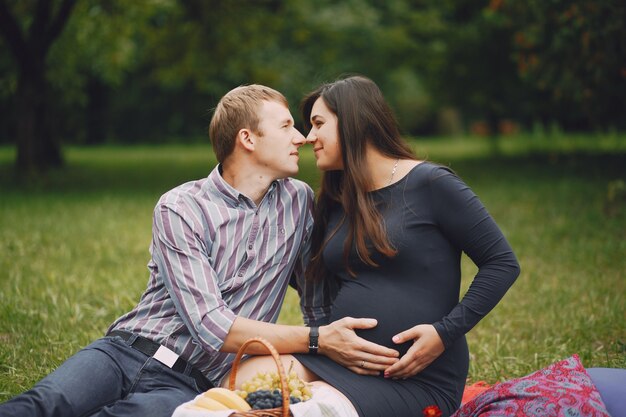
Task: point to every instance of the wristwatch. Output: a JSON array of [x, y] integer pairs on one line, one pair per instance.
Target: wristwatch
[[313, 336]]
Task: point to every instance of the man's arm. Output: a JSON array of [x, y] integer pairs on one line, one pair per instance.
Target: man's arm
[[337, 340], [186, 271]]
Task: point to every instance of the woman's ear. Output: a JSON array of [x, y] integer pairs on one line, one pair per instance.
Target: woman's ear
[[246, 139]]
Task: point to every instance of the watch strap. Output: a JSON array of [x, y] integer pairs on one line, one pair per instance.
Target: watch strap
[[313, 340]]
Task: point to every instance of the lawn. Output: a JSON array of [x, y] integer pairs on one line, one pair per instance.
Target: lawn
[[74, 249]]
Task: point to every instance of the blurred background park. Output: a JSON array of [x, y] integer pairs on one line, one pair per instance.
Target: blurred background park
[[104, 106]]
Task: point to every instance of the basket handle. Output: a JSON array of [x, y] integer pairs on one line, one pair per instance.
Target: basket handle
[[279, 365]]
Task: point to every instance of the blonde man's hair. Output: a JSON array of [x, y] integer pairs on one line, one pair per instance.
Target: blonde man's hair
[[238, 109]]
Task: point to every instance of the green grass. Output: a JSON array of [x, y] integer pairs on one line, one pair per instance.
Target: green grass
[[74, 248]]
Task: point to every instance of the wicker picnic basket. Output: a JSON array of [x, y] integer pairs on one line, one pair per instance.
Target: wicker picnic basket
[[271, 412]]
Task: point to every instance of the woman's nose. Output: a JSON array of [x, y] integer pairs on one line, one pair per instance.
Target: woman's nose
[[311, 137]]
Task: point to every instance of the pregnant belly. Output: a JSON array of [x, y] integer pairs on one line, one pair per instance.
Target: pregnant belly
[[394, 310]]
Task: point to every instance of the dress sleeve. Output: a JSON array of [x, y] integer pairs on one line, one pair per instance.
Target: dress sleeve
[[185, 268], [466, 223]]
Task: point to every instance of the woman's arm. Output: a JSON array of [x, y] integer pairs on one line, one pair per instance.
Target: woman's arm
[[465, 222]]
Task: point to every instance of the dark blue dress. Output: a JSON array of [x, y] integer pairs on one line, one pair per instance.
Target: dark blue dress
[[431, 216]]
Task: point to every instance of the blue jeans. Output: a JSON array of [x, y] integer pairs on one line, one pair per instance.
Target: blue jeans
[[106, 378]]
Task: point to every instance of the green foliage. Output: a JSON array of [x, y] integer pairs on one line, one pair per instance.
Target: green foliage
[[103, 43], [572, 52], [478, 73], [152, 69]]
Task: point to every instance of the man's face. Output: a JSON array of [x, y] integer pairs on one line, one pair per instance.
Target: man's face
[[277, 146]]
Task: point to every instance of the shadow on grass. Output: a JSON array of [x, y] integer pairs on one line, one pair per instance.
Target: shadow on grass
[[579, 164]]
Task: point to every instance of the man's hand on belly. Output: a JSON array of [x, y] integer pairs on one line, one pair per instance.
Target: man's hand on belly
[[339, 342]]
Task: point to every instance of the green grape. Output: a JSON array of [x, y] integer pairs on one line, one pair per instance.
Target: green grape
[[264, 382]]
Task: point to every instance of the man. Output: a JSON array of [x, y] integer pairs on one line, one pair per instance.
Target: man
[[223, 250]]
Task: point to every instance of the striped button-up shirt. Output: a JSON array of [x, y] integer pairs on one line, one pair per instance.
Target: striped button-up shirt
[[217, 255]]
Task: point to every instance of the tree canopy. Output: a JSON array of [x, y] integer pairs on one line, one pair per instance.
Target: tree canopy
[[150, 70]]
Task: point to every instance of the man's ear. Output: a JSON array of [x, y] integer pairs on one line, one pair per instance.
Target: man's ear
[[246, 139]]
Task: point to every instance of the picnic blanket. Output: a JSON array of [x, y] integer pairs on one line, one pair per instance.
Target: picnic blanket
[[562, 389], [323, 403]]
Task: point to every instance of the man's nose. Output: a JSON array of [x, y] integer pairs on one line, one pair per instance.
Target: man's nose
[[299, 138]]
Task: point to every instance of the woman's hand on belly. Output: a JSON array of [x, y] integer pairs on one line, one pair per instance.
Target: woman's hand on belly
[[427, 346], [339, 342]]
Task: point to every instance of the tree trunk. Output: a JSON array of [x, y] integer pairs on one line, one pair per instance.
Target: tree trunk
[[37, 150], [96, 124]]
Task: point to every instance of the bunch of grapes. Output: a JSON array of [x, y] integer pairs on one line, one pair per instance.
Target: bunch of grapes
[[264, 399], [264, 389]]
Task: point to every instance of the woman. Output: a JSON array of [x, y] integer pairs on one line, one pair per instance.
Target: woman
[[387, 241]]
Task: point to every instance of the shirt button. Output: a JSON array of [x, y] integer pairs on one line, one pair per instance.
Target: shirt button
[[282, 230], [240, 274], [249, 246]]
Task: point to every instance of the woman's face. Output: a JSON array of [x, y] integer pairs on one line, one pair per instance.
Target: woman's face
[[324, 136]]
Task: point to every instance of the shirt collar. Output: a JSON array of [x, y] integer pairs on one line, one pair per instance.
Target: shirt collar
[[228, 193]]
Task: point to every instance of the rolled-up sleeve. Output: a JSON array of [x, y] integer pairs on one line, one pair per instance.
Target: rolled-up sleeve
[[186, 271]]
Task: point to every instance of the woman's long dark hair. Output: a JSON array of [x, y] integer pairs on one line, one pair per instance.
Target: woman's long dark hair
[[364, 117]]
